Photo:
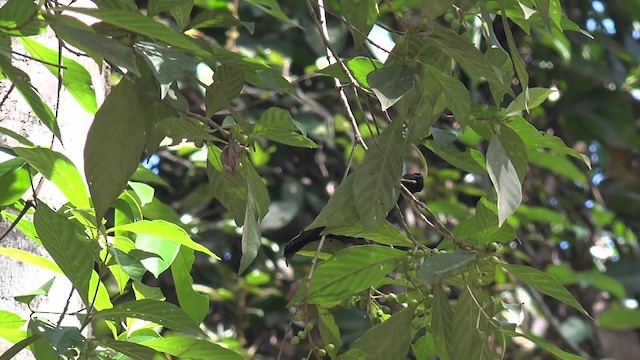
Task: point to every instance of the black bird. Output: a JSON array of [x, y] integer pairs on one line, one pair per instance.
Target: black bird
[[414, 182]]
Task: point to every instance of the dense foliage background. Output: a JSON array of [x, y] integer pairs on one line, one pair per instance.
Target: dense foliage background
[[269, 139]]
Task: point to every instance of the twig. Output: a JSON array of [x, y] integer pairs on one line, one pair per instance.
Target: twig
[[26, 208], [66, 306], [332, 58], [6, 96]]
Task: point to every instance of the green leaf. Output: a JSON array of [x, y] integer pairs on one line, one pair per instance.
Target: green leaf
[[122, 250], [68, 247], [385, 233], [114, 145], [543, 215], [463, 51], [349, 272], [75, 77], [159, 312], [435, 8], [558, 164], [231, 189], [544, 283], [30, 258], [15, 180], [329, 330], [9, 320], [251, 238], [272, 8], [164, 230], [23, 83], [376, 183], [456, 95], [545, 345], [183, 128], [360, 15], [359, 66], [391, 83], [145, 175], [619, 319], [277, 124], [14, 135], [529, 99], [166, 63], [95, 45], [505, 179], [534, 139], [518, 61], [471, 160], [190, 348], [131, 350], [135, 22], [193, 303], [20, 18], [17, 347], [377, 343], [503, 67], [228, 82], [470, 324], [27, 297], [182, 13], [515, 150], [439, 267], [67, 341], [340, 210], [58, 169], [482, 229], [209, 18]]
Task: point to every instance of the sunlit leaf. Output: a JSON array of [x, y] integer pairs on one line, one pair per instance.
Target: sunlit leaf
[[544, 283], [391, 83], [165, 230], [348, 272], [190, 348], [58, 169], [22, 82], [505, 179], [359, 66], [75, 77], [159, 312]]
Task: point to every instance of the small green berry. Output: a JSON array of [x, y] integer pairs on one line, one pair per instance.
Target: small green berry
[[295, 340], [330, 347], [308, 326], [392, 298], [322, 352]]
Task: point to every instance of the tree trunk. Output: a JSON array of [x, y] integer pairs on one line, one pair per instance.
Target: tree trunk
[[16, 277]]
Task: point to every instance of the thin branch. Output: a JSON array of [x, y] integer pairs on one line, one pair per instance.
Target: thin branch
[[6, 96], [332, 58], [66, 306], [35, 59], [26, 208]]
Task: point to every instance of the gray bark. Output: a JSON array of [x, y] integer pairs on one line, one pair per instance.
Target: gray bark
[[16, 277]]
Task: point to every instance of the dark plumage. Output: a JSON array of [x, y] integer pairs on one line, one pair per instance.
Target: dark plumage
[[413, 182]]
